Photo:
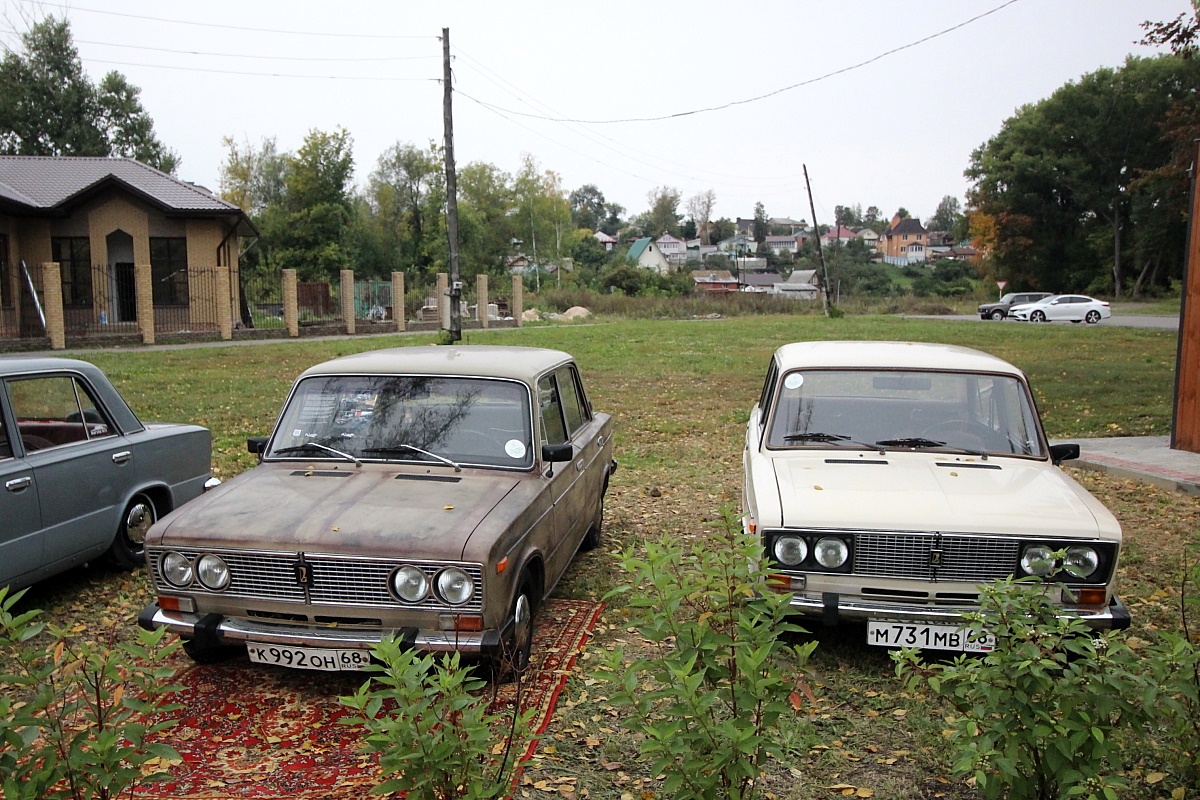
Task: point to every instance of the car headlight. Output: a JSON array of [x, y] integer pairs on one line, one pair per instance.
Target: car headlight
[[1038, 560], [212, 572], [455, 586], [831, 553], [1081, 562], [410, 584], [790, 550], [177, 569]]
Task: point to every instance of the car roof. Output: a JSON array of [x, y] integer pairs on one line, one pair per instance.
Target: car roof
[[890, 355], [516, 363], [19, 365]]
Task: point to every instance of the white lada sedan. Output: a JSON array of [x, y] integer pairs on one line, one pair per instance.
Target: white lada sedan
[[890, 480]]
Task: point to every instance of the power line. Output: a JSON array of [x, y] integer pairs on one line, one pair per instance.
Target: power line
[[755, 99], [250, 55], [258, 74], [67, 7]]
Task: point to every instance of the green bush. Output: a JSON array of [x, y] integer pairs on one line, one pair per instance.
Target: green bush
[[708, 704], [76, 718], [435, 736], [1038, 713]]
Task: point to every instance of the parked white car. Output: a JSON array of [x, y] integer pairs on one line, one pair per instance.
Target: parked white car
[[888, 481], [1072, 307]]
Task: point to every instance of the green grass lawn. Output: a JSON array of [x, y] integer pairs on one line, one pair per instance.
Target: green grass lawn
[[680, 392]]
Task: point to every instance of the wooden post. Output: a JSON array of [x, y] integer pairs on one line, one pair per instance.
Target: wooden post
[[291, 302], [398, 300], [347, 298], [1185, 427]]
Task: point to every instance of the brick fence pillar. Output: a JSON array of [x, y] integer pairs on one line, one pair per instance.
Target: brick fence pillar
[[52, 305], [443, 301], [518, 299], [224, 304], [291, 303], [347, 298], [398, 300], [143, 283], [481, 299]]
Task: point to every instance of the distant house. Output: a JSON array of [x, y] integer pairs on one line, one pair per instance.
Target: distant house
[[794, 226], [518, 264], [782, 244], [869, 238], [714, 281], [961, 253], [644, 253], [899, 238], [674, 249], [604, 239], [803, 284], [839, 235], [762, 282], [738, 244], [131, 249]]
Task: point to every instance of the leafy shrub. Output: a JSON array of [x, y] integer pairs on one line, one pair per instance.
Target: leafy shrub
[[709, 702], [76, 718], [434, 735], [1039, 712]]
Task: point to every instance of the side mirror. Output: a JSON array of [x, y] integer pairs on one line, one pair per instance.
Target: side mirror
[[1063, 452], [257, 445], [556, 453]]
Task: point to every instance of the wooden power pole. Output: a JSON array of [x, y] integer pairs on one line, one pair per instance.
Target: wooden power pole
[[456, 285], [820, 253], [1185, 427]]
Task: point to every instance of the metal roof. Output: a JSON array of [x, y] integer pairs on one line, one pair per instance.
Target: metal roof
[[48, 182]]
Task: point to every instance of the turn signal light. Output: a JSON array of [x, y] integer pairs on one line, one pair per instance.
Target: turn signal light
[[185, 604], [1090, 597], [462, 623]]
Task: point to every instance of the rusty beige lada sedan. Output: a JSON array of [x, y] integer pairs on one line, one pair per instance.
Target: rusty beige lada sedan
[[435, 492], [890, 480]]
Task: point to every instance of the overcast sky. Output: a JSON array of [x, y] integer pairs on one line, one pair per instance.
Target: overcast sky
[[883, 101]]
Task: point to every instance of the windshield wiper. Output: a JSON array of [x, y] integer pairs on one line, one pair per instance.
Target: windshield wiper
[[921, 443], [317, 446], [829, 437], [404, 448]]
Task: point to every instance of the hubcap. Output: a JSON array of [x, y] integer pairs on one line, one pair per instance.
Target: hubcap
[[138, 522], [522, 619]]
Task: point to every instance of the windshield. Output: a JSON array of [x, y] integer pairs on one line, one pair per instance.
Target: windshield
[[468, 421], [905, 410]]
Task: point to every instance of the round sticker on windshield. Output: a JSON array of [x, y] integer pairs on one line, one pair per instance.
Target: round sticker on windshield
[[514, 448], [794, 380]]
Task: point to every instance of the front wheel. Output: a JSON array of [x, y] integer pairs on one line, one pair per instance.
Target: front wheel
[[517, 647], [128, 549], [1038, 316], [1092, 317], [997, 315]]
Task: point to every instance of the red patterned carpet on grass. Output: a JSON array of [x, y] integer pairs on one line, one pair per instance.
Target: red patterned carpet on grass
[[253, 731]]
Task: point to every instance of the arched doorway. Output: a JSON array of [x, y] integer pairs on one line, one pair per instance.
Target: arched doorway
[[122, 289]]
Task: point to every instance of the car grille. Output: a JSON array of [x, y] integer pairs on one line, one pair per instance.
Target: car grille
[[913, 555], [336, 580]]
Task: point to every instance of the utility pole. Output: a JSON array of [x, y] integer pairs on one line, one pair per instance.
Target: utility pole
[[451, 191], [820, 252]]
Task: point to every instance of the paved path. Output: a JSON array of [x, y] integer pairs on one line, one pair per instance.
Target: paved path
[[1154, 321], [1143, 458]]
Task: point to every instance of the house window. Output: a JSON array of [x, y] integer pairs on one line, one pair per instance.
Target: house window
[[74, 257], [168, 270], [6, 300]]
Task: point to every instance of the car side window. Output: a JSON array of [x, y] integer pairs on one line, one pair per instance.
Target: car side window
[[768, 390], [554, 429], [55, 410], [6, 450], [574, 406]]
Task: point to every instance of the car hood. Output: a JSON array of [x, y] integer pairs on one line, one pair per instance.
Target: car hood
[[928, 492], [373, 510]]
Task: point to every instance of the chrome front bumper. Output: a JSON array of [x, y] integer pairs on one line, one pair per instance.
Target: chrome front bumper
[[832, 607], [217, 629]]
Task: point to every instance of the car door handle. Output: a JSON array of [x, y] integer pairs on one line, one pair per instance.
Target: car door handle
[[122, 457], [579, 465], [18, 484], [600, 440]]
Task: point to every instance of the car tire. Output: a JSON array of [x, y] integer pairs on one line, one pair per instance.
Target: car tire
[[997, 314], [591, 539], [1037, 316], [208, 653], [517, 647], [1092, 317], [128, 548]]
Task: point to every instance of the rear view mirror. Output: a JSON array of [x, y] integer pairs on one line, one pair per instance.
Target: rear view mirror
[[257, 445], [1063, 452], [554, 453]]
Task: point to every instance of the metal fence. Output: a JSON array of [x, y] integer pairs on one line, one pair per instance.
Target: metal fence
[[262, 301], [319, 303], [9, 295], [186, 301], [102, 300], [373, 301]]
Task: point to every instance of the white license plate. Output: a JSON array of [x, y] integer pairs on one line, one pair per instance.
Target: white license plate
[[308, 657], [927, 637]]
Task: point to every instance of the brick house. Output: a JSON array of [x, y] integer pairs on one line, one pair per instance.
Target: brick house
[[98, 245], [901, 238]]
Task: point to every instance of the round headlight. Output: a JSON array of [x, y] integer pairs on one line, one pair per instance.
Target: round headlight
[[455, 586], [212, 572], [831, 553], [1038, 560], [790, 550], [1081, 562], [410, 584], [176, 569]]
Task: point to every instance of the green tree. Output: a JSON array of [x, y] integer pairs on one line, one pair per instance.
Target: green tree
[[407, 191], [947, 215], [700, 208], [722, 229], [762, 223], [588, 207], [485, 226], [50, 107], [664, 211]]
